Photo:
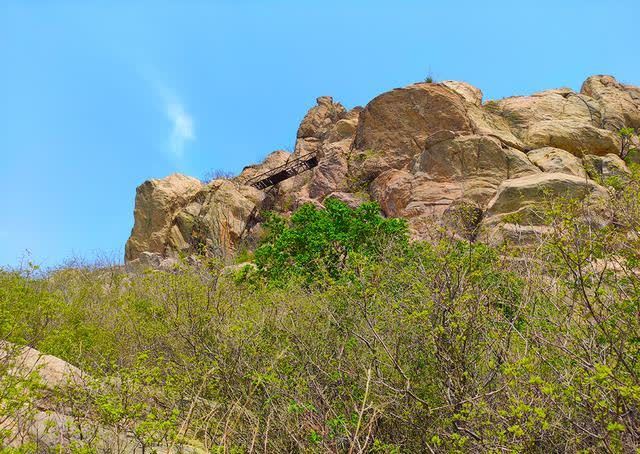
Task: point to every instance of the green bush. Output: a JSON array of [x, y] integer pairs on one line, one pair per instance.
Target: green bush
[[316, 243], [398, 346]]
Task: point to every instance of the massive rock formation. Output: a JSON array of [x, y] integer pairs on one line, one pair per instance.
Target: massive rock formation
[[423, 152]]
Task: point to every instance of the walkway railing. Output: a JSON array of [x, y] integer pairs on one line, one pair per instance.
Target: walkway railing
[[284, 172]]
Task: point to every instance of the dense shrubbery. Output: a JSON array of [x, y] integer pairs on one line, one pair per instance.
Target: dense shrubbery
[[316, 243], [402, 347]]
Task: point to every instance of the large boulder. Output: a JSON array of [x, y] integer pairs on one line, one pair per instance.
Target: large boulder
[[517, 213], [216, 219], [320, 118], [460, 169], [560, 104], [557, 118], [317, 124], [273, 160], [577, 138], [394, 127], [551, 159], [52, 371], [157, 202], [619, 103], [327, 130], [470, 93], [604, 168], [331, 173]]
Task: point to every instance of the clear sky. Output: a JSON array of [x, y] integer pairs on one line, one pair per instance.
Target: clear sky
[[96, 97]]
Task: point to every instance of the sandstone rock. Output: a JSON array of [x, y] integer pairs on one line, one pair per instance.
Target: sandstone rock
[[619, 103], [394, 126], [157, 202], [522, 112], [392, 190], [317, 124], [517, 212], [426, 152], [478, 162], [328, 131], [216, 219], [465, 169], [601, 168], [472, 94], [576, 138], [346, 128], [53, 371], [320, 118], [557, 118], [273, 160], [331, 173], [352, 200], [551, 159]]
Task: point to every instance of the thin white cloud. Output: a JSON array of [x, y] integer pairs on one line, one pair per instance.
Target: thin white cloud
[[182, 130]]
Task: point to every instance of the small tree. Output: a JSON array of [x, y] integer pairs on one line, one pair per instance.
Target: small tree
[[316, 242], [217, 174], [626, 136]]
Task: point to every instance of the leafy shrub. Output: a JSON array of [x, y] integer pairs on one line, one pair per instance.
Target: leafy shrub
[[398, 346], [317, 242]]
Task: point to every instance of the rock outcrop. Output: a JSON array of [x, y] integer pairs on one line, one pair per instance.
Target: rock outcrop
[[517, 211], [422, 152], [157, 203]]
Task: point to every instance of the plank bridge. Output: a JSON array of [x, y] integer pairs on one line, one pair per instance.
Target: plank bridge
[[284, 172]]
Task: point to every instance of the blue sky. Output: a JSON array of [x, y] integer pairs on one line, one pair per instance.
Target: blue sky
[[96, 97]]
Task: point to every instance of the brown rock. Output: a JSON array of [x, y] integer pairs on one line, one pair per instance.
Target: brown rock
[[577, 138], [157, 202], [349, 198], [470, 93], [602, 168], [517, 212], [522, 112], [273, 160], [216, 220], [551, 159], [320, 118], [392, 190], [465, 169], [619, 103], [394, 126]]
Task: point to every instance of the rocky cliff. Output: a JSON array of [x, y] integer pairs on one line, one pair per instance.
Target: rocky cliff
[[425, 152]]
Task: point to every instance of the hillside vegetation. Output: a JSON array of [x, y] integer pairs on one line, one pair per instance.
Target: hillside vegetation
[[344, 336]]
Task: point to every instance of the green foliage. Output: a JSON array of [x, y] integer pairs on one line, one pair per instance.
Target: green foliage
[[317, 242], [626, 136], [398, 346]]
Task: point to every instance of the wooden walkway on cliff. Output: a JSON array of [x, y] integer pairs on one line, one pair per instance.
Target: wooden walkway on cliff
[[284, 172]]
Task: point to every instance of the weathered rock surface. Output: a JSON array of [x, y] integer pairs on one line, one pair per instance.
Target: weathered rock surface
[[52, 371], [464, 169], [45, 419], [577, 138], [276, 159], [600, 168], [551, 159], [423, 152], [394, 127], [619, 104], [468, 92], [157, 202], [517, 212]]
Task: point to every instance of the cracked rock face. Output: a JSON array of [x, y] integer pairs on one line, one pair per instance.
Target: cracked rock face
[[423, 152]]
